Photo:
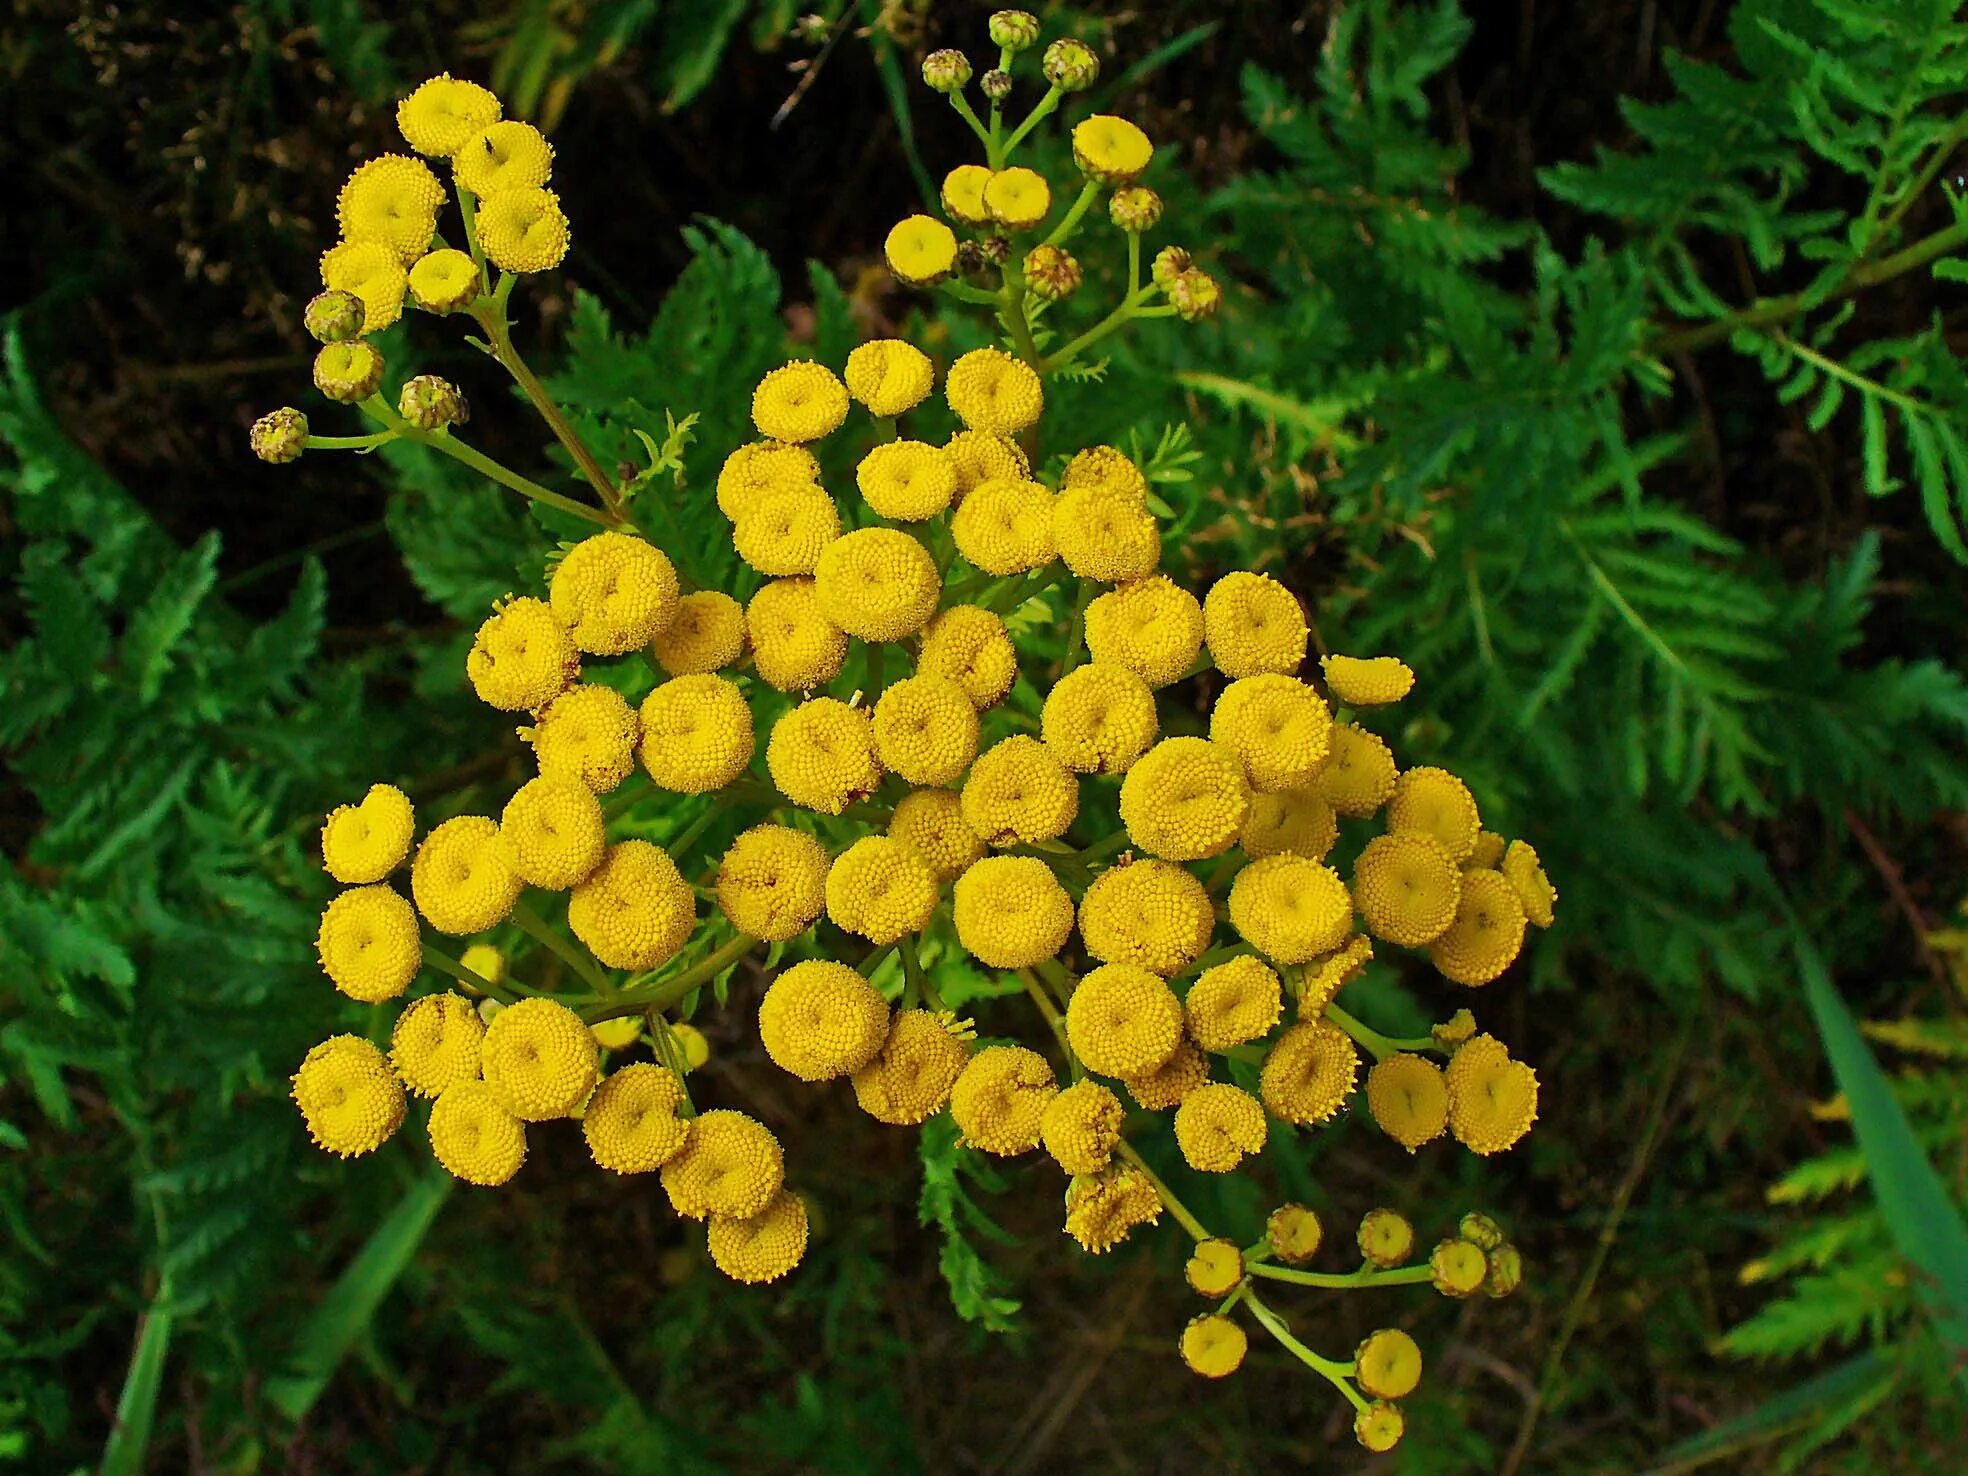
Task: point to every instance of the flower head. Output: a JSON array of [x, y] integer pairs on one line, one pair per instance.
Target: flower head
[[1322, 978], [795, 648], [1294, 1233], [1052, 272], [1018, 793], [1185, 800], [522, 657], [891, 376], [587, 733], [523, 229], [992, 391], [1409, 1099], [347, 372], [1233, 1002], [1385, 1238], [763, 1247], [1487, 932], [631, 1122], [970, 646], [1080, 1127], [332, 316], [729, 1165], [1458, 1267], [474, 1136], [877, 584], [1292, 820], [1406, 887], [636, 910], [1213, 1346], [772, 883], [1017, 198], [1011, 912], [920, 250], [393, 201], [614, 593], [963, 196], [1168, 1084], [430, 403], [761, 468], [435, 1042], [1291, 909], [907, 480], [696, 733], [1111, 150], [552, 832], [1123, 1021], [1436, 802], [279, 436], [1104, 469], [443, 113], [1279, 727], [880, 888], [369, 943], [1135, 209], [1005, 527], [1309, 1073], [1218, 1126], [1379, 1426], [1099, 718], [367, 841], [539, 1059], [1149, 913], [1102, 1208], [931, 821], [1215, 1267], [1070, 65], [910, 1078], [461, 878], [1105, 535], [373, 273], [926, 730], [503, 156], [785, 532], [1525, 874], [1371, 681], [347, 1096], [1358, 775], [999, 1099], [1152, 626], [708, 634], [1253, 624], [821, 755], [820, 1019], [980, 456], [1492, 1099]]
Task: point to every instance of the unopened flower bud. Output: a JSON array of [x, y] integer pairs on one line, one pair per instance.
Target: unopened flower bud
[[1385, 1237], [996, 85], [1457, 1267], [1506, 1271], [1293, 1233], [996, 249], [280, 435], [333, 316], [1195, 295], [1014, 30], [1379, 1426], [1051, 272], [1070, 65], [430, 403], [970, 259], [348, 371], [1170, 263], [1135, 209], [946, 71], [1480, 1229]]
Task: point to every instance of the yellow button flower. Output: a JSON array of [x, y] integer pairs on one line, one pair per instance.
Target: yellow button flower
[[1102, 1208], [1123, 1021], [1409, 1099], [1218, 1126], [1149, 913], [1293, 1233], [1486, 854], [1185, 800], [1388, 1364], [1152, 626], [1168, 1084], [369, 944], [1011, 912], [522, 657], [1279, 727], [393, 201], [880, 888], [1233, 1002], [772, 883], [1099, 718], [1358, 775], [1108, 470], [1379, 1426], [636, 910], [503, 156], [799, 402], [1458, 1267], [1322, 978], [1018, 199], [461, 878], [1111, 150], [821, 755], [1000, 1098], [1019, 794], [708, 634], [474, 1137], [931, 821], [1371, 681], [1105, 535], [1385, 1238], [991, 391], [729, 1165], [588, 733], [1492, 1099], [970, 646], [1309, 1073], [963, 194], [1214, 1268], [1214, 1346], [347, 1096], [552, 832], [784, 533], [762, 1247], [443, 113], [696, 733], [1526, 876], [631, 1122], [1487, 932], [1005, 527], [373, 272], [907, 480], [435, 1042], [367, 841], [821, 1019], [445, 280], [891, 376], [981, 456], [761, 468], [1406, 888], [614, 593], [1291, 909], [539, 1059], [926, 730], [920, 250], [1436, 802], [794, 647], [910, 1079], [523, 230], [1292, 820], [1080, 1127], [877, 584], [1253, 624]]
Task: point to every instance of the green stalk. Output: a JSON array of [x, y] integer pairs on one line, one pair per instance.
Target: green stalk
[[1382, 1046], [1334, 1373], [661, 996], [1176, 1207], [379, 409], [350, 443], [1366, 1276], [531, 925], [1041, 110], [1071, 222]]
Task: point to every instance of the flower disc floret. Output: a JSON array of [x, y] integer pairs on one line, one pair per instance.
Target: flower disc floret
[[1123, 1021], [877, 584], [1111, 150], [1005, 527], [1152, 626], [522, 657], [393, 201], [347, 1096], [890, 376], [1218, 1126], [1291, 909], [926, 730], [907, 480], [1367, 681], [910, 1079], [552, 832], [435, 1042], [588, 733], [1149, 913], [981, 456], [991, 391], [636, 910], [794, 647], [1017, 793], [1000, 1098], [1011, 912], [1292, 820], [1103, 535], [1017, 198], [762, 1247], [539, 1059], [1253, 624], [1170, 1083], [1492, 1099], [369, 944], [1233, 1002], [1487, 932], [474, 1136], [1099, 718], [1525, 874], [1279, 727], [1185, 800], [772, 883], [614, 593], [1438, 803], [1409, 1099], [785, 532], [931, 821], [821, 1019], [821, 755], [730, 1165], [920, 250], [880, 888], [461, 878], [1358, 774], [1309, 1073], [1080, 1127], [696, 733], [372, 272], [970, 646], [507, 155], [708, 634], [631, 1122], [760, 468], [523, 229], [365, 842], [1214, 1346], [444, 112], [1102, 1208], [1406, 887]]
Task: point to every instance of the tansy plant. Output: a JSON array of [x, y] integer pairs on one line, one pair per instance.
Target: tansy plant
[[1149, 850]]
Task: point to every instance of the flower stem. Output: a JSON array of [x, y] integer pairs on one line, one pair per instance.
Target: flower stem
[[1052, 1017], [529, 923], [499, 330], [663, 994], [969, 115], [1333, 1373], [445, 964], [1365, 1276], [1070, 222], [350, 443], [1382, 1046], [1040, 111], [1133, 306], [696, 828], [1011, 303], [378, 409]]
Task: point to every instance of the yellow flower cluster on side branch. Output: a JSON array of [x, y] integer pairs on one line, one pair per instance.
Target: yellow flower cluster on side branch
[[956, 718]]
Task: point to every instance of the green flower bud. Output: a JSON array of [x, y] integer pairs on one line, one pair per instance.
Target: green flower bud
[[1195, 295], [333, 317], [280, 435], [1385, 1237], [1170, 263], [430, 403], [996, 249], [1051, 272], [1070, 65], [946, 71], [1135, 209], [1457, 1267], [348, 371], [1480, 1229], [1014, 30], [1506, 1271], [996, 85]]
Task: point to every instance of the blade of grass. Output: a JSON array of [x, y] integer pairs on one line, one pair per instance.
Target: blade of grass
[[128, 1451], [1779, 1415]]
